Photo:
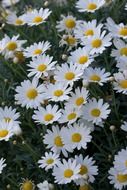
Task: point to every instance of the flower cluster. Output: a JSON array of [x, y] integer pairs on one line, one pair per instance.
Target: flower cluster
[[72, 100]]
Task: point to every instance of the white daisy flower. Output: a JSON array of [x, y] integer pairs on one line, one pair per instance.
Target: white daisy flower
[[81, 57], [79, 97], [8, 114], [120, 84], [87, 168], [47, 115], [87, 29], [54, 142], [57, 92], [89, 5], [96, 111], [76, 136], [124, 126], [68, 73], [116, 30], [6, 130], [122, 63], [66, 171], [120, 162], [41, 65], [13, 19], [29, 94], [67, 23], [97, 43], [45, 186], [96, 75], [68, 40], [36, 17], [11, 45], [49, 160], [2, 164], [117, 179], [70, 114], [36, 49], [121, 49], [9, 3]]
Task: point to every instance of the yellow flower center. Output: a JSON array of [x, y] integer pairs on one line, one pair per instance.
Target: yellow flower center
[[122, 178], [95, 78], [70, 23], [70, 40], [3, 133], [83, 170], [123, 31], [79, 101], [58, 141], [32, 93], [48, 117], [7, 119], [41, 67], [49, 161], [83, 59], [96, 43], [91, 6], [68, 173], [76, 137], [18, 21], [89, 32], [37, 19], [58, 93], [11, 46], [123, 84], [69, 76], [123, 51], [71, 116], [28, 185], [37, 52], [95, 112], [84, 187]]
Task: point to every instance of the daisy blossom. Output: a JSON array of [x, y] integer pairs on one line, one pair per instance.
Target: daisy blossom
[[49, 160], [96, 111], [76, 136], [41, 65], [66, 171], [89, 5], [53, 140], [29, 94], [96, 75], [47, 115], [36, 17], [87, 168], [68, 73], [36, 49]]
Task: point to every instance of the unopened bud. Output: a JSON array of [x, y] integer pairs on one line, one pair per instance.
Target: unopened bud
[[112, 127], [46, 3], [64, 57]]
